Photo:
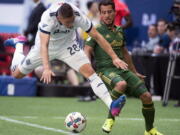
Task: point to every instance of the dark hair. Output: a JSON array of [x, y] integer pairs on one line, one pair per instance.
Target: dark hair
[[65, 11], [171, 27], [154, 25], [162, 20], [89, 4], [106, 3]]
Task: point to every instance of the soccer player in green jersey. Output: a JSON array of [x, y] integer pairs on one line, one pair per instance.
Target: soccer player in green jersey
[[119, 81]]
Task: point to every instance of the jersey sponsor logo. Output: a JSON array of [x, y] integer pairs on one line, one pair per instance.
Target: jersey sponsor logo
[[117, 43], [61, 31]]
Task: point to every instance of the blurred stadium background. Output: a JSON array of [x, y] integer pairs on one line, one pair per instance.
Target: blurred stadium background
[[27, 106]]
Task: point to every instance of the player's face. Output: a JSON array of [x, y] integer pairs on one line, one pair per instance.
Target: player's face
[[68, 22], [107, 14]]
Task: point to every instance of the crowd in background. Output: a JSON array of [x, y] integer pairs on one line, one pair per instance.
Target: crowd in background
[[162, 38]]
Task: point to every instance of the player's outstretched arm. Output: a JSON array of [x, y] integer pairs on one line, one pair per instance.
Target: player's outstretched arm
[[47, 73], [108, 49]]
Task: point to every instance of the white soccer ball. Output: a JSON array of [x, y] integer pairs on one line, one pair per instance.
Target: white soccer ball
[[75, 122]]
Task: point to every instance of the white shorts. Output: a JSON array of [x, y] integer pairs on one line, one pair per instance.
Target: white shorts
[[72, 56]]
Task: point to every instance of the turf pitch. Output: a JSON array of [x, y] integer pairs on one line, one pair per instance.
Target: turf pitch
[[45, 116]]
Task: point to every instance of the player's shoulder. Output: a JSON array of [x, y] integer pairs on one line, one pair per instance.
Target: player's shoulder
[[99, 27], [48, 20], [48, 16]]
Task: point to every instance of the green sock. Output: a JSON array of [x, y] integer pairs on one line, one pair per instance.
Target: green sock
[[114, 95], [148, 112]]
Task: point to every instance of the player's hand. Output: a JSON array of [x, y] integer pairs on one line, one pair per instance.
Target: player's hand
[[120, 64], [142, 77], [46, 76]]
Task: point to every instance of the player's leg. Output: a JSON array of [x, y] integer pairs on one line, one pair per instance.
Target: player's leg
[[18, 56], [22, 65], [96, 83], [148, 112], [137, 88], [117, 86], [80, 63], [100, 89], [148, 109]]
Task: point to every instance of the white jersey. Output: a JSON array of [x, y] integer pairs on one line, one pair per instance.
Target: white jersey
[[60, 35]]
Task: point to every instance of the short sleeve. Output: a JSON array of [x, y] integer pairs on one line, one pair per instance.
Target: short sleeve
[[83, 22], [91, 42], [46, 24]]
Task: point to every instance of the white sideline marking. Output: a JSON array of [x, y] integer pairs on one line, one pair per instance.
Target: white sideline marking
[[35, 125], [131, 119], [125, 118]]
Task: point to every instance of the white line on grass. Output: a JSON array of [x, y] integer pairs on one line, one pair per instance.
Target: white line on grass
[[35, 125], [124, 118], [130, 119]]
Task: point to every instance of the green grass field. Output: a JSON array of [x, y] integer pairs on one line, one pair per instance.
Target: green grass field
[[45, 116]]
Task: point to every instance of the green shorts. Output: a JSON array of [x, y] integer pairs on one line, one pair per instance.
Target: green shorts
[[135, 86]]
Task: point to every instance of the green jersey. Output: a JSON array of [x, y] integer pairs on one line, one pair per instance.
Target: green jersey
[[115, 38]]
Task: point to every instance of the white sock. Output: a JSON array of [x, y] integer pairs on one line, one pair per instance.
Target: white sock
[[18, 56], [100, 89]]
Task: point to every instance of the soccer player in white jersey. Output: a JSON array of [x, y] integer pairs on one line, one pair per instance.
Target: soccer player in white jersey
[[56, 39]]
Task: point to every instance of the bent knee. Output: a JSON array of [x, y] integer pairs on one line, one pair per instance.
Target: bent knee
[[121, 86], [17, 74], [146, 98]]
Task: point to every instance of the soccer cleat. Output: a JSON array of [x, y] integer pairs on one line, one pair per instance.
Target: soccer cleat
[[13, 41], [117, 105], [108, 124], [153, 131]]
